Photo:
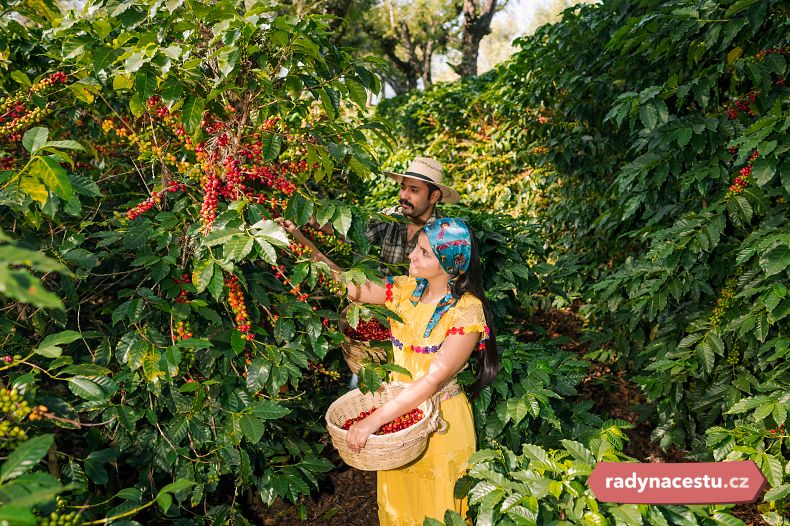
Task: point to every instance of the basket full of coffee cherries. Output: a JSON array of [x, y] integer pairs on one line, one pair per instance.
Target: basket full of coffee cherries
[[363, 343], [394, 444]]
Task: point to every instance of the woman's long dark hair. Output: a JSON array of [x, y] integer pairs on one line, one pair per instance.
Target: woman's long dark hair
[[472, 281]]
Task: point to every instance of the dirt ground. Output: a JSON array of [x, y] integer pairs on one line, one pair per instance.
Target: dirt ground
[[348, 497]]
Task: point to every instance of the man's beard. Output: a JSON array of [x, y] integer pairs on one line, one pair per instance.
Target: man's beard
[[412, 212]]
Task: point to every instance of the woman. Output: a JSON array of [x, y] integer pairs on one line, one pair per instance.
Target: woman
[[446, 320]]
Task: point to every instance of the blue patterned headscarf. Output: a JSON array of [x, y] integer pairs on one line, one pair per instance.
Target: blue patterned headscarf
[[451, 241]]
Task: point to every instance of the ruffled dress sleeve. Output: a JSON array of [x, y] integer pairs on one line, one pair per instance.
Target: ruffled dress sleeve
[[468, 317]]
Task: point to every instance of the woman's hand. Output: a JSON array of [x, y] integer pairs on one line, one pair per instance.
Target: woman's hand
[[358, 434]]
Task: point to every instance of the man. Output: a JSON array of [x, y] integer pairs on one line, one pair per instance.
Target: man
[[421, 189]]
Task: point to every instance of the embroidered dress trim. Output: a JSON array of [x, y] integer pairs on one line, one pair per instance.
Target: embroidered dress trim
[[388, 289], [472, 328], [430, 349]]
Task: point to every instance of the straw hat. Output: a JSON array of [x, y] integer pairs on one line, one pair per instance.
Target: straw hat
[[428, 170]]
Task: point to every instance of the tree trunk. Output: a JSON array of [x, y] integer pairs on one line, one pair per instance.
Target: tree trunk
[[476, 26]]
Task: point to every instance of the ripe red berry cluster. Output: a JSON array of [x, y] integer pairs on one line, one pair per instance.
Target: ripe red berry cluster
[[742, 105], [269, 124], [361, 416], [211, 125], [328, 243], [272, 177], [20, 117], [183, 330], [237, 306], [156, 198], [742, 179], [208, 210], [370, 330], [234, 180], [298, 250], [183, 295], [16, 115], [279, 273], [400, 423], [763, 53]]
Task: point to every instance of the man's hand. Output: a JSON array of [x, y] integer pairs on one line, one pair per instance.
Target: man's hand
[[294, 231]]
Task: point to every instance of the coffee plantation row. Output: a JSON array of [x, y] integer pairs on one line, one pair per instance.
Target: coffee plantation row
[[168, 355], [649, 141]]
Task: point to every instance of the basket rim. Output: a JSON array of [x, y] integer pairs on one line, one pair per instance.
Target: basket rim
[[427, 412]]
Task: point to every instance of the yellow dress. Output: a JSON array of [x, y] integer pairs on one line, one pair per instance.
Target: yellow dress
[[425, 487]]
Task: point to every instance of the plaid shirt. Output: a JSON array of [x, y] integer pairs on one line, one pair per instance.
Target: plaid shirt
[[391, 235]]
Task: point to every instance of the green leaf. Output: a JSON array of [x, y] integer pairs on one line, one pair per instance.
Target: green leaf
[[785, 175], [257, 374], [252, 428], [238, 247], [738, 6], [777, 493], [145, 83], [103, 58], [171, 90], [131, 494], [192, 114], [133, 62], [94, 465], [178, 485], [775, 261], [740, 207], [202, 274], [299, 210], [269, 410], [34, 138], [32, 186], [705, 355], [369, 380], [81, 257], [24, 457], [579, 452], [22, 79], [87, 389], [648, 114], [357, 93], [763, 171], [64, 145], [271, 232], [271, 147], [17, 516], [342, 220], [226, 60], [50, 346], [53, 176]]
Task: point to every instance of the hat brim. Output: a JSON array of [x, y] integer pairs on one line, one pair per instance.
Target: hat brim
[[449, 195]]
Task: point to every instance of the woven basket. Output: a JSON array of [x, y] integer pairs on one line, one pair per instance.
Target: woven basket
[[356, 353], [382, 452]]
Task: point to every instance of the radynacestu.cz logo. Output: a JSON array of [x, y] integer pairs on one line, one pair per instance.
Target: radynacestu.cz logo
[[686, 483]]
